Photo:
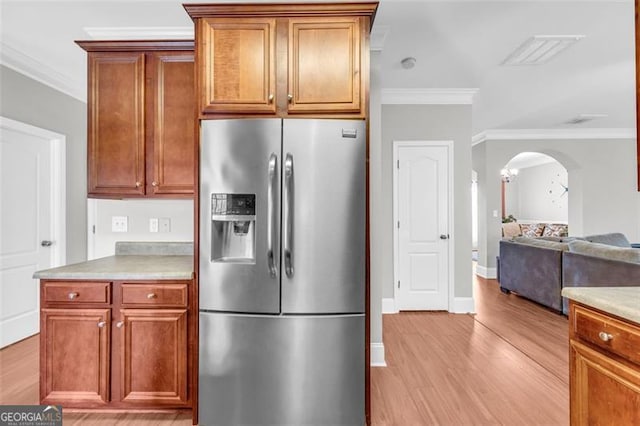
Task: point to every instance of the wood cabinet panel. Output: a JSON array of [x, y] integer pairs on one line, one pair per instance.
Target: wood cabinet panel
[[603, 391], [324, 65], [172, 122], [154, 356], [237, 72], [169, 294], [77, 292], [116, 123], [75, 346]]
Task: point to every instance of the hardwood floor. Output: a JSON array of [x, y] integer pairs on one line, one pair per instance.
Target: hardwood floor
[[508, 365]]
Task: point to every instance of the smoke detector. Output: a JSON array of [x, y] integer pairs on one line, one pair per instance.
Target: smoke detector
[[582, 118], [540, 49]]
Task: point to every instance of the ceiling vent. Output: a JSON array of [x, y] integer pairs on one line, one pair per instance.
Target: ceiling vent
[[582, 118], [540, 49]]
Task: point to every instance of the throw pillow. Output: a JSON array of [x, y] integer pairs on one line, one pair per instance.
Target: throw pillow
[[532, 229], [555, 230], [624, 254], [511, 229]]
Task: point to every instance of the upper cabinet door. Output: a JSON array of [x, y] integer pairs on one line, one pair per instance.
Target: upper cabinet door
[[172, 121], [324, 65], [237, 68], [116, 123]]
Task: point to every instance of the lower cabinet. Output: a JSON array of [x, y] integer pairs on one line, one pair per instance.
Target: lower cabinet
[[153, 356], [604, 368], [134, 350], [75, 354]]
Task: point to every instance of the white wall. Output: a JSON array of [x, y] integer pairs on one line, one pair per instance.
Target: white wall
[[602, 184], [539, 194], [138, 213]]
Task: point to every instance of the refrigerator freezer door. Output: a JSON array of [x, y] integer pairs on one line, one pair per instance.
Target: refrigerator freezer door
[[266, 370], [323, 257], [241, 157]]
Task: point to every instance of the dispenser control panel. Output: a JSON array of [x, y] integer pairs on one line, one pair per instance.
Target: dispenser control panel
[[233, 204]]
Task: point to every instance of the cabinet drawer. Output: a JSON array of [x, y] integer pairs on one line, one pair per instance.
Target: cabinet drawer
[[615, 336], [169, 294], [77, 292]]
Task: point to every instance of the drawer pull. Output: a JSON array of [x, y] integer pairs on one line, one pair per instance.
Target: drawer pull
[[152, 296], [73, 295], [101, 324], [119, 324], [605, 337]]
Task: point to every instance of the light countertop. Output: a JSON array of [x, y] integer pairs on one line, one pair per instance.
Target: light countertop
[[132, 261], [623, 302]]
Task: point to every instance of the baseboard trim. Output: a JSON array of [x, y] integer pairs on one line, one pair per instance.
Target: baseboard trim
[[487, 273], [389, 306], [377, 355], [463, 305]]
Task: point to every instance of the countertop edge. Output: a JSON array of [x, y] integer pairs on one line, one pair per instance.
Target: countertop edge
[[596, 298]]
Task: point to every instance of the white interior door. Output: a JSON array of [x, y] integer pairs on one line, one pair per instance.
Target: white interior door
[[421, 181], [28, 172]]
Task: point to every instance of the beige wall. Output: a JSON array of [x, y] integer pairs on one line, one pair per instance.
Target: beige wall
[[429, 123]]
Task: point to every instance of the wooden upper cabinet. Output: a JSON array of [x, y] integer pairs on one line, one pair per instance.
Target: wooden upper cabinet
[[267, 59], [142, 118], [238, 65], [324, 65], [172, 123], [116, 123]]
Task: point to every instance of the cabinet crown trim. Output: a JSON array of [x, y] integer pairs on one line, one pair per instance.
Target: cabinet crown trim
[[284, 10], [134, 45]]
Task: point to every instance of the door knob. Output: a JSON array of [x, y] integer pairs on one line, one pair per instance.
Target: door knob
[[46, 243], [444, 236]]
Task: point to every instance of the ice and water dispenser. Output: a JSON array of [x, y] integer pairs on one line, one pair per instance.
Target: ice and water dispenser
[[233, 228]]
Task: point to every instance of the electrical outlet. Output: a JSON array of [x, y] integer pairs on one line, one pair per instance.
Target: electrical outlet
[[119, 223], [153, 224], [165, 224]]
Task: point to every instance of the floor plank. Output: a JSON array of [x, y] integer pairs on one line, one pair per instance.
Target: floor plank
[[506, 365]]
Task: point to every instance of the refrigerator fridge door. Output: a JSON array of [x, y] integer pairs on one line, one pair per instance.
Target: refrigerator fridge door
[[239, 252], [323, 218], [279, 370]]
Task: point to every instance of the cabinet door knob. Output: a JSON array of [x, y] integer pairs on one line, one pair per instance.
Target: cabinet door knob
[[290, 97], [138, 184], [101, 324], [73, 295], [119, 324], [270, 97], [154, 183], [152, 296], [605, 337]]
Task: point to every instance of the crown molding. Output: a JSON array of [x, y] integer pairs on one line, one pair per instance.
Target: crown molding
[[139, 33], [12, 58], [546, 134], [428, 96]]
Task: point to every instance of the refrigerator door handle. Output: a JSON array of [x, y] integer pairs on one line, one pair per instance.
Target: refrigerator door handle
[[273, 162], [288, 214]]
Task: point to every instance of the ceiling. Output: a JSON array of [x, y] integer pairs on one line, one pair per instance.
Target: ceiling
[[457, 44]]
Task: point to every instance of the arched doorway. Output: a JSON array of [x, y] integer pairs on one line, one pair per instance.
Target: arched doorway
[[535, 190]]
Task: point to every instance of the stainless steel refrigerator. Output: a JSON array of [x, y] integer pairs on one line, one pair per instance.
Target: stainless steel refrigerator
[[282, 272]]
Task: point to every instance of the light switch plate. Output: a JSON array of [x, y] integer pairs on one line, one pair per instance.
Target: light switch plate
[[165, 224], [153, 224], [119, 224]]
